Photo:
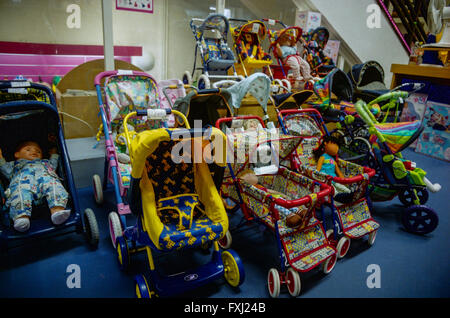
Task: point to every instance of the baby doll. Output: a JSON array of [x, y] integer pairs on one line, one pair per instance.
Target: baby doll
[[286, 49], [325, 156], [31, 179], [294, 217]]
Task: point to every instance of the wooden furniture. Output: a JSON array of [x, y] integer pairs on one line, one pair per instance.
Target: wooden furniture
[[433, 74]]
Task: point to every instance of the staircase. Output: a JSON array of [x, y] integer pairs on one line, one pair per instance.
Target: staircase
[[408, 18]]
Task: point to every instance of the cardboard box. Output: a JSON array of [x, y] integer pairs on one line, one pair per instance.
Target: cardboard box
[[79, 116], [307, 20]]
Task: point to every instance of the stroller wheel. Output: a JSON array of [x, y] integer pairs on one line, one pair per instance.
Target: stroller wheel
[[98, 189], [293, 282], [273, 283], [91, 228], [115, 227], [233, 267], [328, 265], [372, 237], [203, 82], [187, 78], [225, 241], [142, 288], [407, 197], [122, 253], [343, 246], [419, 219]]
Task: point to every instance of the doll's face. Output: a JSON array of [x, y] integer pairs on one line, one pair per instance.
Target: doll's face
[[250, 178], [331, 148], [29, 151]]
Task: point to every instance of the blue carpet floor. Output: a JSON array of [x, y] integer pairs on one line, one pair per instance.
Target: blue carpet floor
[[410, 265]]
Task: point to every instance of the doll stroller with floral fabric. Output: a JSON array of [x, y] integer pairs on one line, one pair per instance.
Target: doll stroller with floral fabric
[[176, 204], [396, 176], [28, 112], [124, 92], [216, 57], [351, 217], [314, 43], [301, 249]]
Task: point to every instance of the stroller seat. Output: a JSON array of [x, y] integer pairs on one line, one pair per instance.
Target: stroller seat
[[219, 56], [180, 205]]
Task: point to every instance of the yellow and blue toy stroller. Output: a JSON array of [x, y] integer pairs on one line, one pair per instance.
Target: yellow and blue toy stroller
[[351, 217], [216, 57], [28, 112], [177, 205], [301, 249]]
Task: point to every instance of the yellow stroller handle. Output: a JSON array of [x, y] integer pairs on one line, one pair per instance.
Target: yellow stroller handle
[[132, 114]]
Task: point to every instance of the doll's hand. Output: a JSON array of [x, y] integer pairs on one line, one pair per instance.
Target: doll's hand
[[1, 155]]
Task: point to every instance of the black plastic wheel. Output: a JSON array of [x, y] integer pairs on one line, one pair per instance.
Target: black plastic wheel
[[419, 219], [407, 196]]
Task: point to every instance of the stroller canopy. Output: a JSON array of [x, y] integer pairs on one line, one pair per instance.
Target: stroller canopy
[[247, 42], [24, 90], [398, 136], [368, 76], [213, 22], [337, 83], [320, 35], [257, 84]]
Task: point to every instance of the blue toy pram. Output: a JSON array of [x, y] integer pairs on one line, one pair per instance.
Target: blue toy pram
[[30, 113], [216, 57]]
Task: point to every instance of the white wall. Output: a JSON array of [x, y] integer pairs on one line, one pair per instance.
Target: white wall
[[348, 17]]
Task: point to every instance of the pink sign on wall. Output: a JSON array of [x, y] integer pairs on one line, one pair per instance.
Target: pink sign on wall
[[135, 5]]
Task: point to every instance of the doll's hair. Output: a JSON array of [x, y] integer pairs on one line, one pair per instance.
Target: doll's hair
[[321, 149], [24, 143]]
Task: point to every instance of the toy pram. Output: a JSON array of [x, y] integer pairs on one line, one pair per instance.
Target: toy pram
[[216, 57], [368, 81], [396, 175], [314, 43], [351, 217], [176, 204], [281, 71], [301, 249], [31, 119], [248, 37], [124, 92]]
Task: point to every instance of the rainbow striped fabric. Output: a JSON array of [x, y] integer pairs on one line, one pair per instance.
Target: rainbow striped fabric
[[399, 135]]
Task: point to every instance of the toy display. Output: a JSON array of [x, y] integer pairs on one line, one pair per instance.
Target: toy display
[[282, 200], [216, 57], [30, 178], [177, 206]]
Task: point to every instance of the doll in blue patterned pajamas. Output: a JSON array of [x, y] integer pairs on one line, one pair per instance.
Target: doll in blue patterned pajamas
[[31, 180]]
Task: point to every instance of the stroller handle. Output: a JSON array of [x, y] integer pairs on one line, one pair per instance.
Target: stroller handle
[[391, 95], [102, 75], [369, 171], [229, 119], [324, 191]]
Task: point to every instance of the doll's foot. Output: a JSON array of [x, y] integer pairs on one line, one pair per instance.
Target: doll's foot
[[60, 216], [22, 224]]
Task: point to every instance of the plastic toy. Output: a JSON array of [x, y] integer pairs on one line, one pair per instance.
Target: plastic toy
[[38, 120], [177, 207], [314, 43]]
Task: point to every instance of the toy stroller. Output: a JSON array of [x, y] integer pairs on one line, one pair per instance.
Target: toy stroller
[[248, 37], [351, 217], [177, 206], [368, 81], [281, 73], [301, 249], [24, 117], [124, 92], [216, 57], [396, 175], [314, 43]]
